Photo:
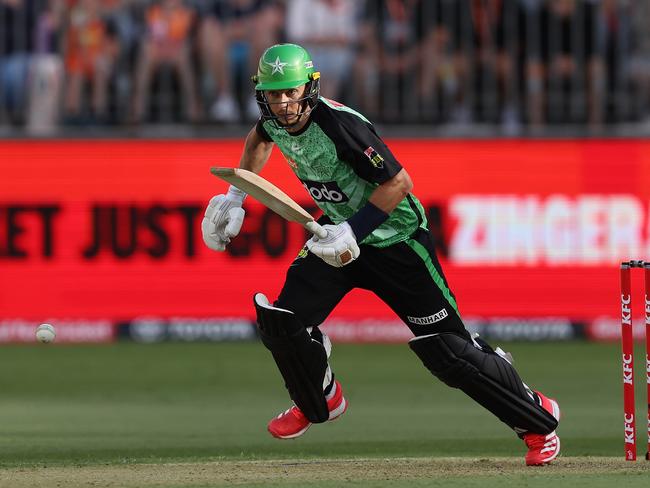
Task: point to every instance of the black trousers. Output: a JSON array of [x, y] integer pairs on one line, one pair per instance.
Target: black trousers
[[406, 276]]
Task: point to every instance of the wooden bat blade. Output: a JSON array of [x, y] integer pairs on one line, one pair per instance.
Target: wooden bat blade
[[266, 193]]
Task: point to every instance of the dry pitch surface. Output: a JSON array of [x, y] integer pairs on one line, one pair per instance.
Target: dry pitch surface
[[569, 471]]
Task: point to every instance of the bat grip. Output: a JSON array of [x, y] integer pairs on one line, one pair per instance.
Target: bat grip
[[315, 228]]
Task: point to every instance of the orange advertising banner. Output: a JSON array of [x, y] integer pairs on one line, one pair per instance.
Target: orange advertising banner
[[111, 229]]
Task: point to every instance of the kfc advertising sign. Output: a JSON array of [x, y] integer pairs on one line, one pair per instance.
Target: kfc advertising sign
[[111, 229]]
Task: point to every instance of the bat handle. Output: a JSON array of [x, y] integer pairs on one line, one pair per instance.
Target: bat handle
[[315, 228]]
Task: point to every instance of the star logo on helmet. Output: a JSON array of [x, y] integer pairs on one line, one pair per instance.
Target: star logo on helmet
[[278, 66]]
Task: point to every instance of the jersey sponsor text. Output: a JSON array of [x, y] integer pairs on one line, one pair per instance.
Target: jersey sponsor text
[[325, 191], [429, 319]]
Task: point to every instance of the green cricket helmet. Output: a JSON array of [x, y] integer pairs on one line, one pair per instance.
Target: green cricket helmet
[[285, 66]]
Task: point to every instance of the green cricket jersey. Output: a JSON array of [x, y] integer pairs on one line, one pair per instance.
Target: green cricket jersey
[[340, 160]]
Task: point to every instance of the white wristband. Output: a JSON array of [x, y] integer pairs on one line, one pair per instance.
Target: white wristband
[[236, 195]]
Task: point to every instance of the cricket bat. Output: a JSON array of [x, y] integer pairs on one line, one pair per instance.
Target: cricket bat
[[269, 195]]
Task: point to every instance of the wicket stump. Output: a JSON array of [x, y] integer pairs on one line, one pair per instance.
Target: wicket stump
[[627, 340]]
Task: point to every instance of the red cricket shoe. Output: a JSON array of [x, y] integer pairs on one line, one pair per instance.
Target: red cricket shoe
[[293, 423], [542, 449]]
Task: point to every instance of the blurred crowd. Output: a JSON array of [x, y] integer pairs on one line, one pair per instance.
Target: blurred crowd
[[515, 64]]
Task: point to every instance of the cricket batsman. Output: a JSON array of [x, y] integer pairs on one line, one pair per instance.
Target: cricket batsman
[[377, 239]]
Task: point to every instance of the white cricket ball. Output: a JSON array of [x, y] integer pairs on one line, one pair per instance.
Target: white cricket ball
[[45, 333]]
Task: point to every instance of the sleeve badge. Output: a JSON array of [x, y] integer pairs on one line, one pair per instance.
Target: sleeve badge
[[376, 160]]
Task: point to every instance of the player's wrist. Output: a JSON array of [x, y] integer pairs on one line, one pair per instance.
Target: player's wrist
[[366, 220], [236, 195]]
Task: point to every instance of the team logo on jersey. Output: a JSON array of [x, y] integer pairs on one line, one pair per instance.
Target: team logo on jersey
[[325, 191], [376, 160]]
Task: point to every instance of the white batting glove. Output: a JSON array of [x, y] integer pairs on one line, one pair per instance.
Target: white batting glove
[[338, 248], [223, 219]]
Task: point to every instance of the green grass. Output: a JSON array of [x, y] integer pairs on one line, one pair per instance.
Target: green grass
[[128, 403]]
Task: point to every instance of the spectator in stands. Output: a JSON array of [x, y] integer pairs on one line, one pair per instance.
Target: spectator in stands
[[397, 39], [638, 68], [46, 72], [90, 49], [234, 35], [615, 36], [489, 40], [330, 36], [445, 60], [533, 68], [122, 16], [574, 62], [166, 43], [17, 23]]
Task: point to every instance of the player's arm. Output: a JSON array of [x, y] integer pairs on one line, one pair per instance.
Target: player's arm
[[257, 150], [388, 195], [381, 203], [224, 215], [374, 162]]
